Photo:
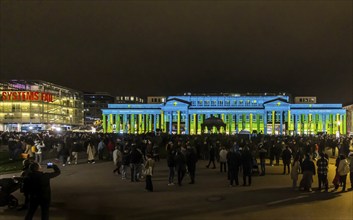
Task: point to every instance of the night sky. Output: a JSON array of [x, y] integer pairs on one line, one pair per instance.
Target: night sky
[[170, 47]]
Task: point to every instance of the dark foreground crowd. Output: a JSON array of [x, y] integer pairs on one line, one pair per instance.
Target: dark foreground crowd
[[137, 155]]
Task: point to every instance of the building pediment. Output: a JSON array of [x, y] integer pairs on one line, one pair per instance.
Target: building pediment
[[177, 102], [277, 104]]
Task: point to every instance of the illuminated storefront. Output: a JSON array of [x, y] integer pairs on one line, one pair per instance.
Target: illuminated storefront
[[38, 105], [268, 114]]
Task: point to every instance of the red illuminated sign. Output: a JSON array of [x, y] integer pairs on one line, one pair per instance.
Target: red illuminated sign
[[26, 96]]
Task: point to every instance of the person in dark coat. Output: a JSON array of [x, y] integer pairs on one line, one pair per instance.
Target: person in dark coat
[[24, 174], [212, 155], [308, 169], [180, 165], [135, 160], [247, 162], [286, 158], [171, 162], [234, 161], [191, 160], [262, 155], [37, 185]]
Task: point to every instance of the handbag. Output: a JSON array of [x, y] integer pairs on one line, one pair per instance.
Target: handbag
[[148, 171], [337, 180]]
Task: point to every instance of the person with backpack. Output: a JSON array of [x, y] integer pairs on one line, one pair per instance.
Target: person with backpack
[[343, 170]]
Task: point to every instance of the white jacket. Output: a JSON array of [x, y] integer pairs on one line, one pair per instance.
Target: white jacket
[[39, 147], [223, 155], [343, 167]]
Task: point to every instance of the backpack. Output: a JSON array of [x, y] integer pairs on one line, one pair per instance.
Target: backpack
[[34, 149]]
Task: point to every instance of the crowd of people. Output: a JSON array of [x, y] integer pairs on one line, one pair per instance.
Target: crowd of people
[[236, 154]]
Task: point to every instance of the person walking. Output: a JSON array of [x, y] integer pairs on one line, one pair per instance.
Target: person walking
[[37, 185], [308, 168], [286, 158], [351, 169], [247, 162], [149, 167], [212, 157], [262, 155], [39, 145], [295, 171], [170, 162], [223, 159], [234, 161], [91, 152], [322, 169], [191, 160], [117, 159], [343, 170], [180, 166], [135, 160], [125, 162], [101, 148]]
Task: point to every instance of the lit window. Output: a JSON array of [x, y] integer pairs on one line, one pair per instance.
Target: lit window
[[132, 98]]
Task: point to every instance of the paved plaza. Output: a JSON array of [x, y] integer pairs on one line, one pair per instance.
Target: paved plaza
[[87, 191]]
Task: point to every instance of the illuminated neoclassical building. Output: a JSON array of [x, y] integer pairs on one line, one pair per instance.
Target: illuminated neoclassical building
[[267, 114]]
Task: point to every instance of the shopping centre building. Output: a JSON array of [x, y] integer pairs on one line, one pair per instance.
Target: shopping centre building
[[38, 105], [260, 113]]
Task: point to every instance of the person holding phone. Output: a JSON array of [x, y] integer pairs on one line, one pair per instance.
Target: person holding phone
[[37, 185]]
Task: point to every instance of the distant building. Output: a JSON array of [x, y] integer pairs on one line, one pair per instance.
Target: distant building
[[156, 99], [93, 103], [38, 105], [266, 113], [304, 99], [349, 109], [129, 99]]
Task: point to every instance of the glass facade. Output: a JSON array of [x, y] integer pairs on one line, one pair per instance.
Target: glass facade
[[38, 105]]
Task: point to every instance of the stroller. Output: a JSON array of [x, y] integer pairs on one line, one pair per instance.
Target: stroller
[[8, 186]]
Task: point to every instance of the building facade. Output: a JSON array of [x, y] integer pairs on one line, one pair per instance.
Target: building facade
[[156, 99], [305, 99], [349, 109], [129, 99], [39, 105], [94, 102], [267, 114]]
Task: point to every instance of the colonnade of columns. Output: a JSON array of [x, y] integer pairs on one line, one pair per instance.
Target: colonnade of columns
[[282, 122]]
